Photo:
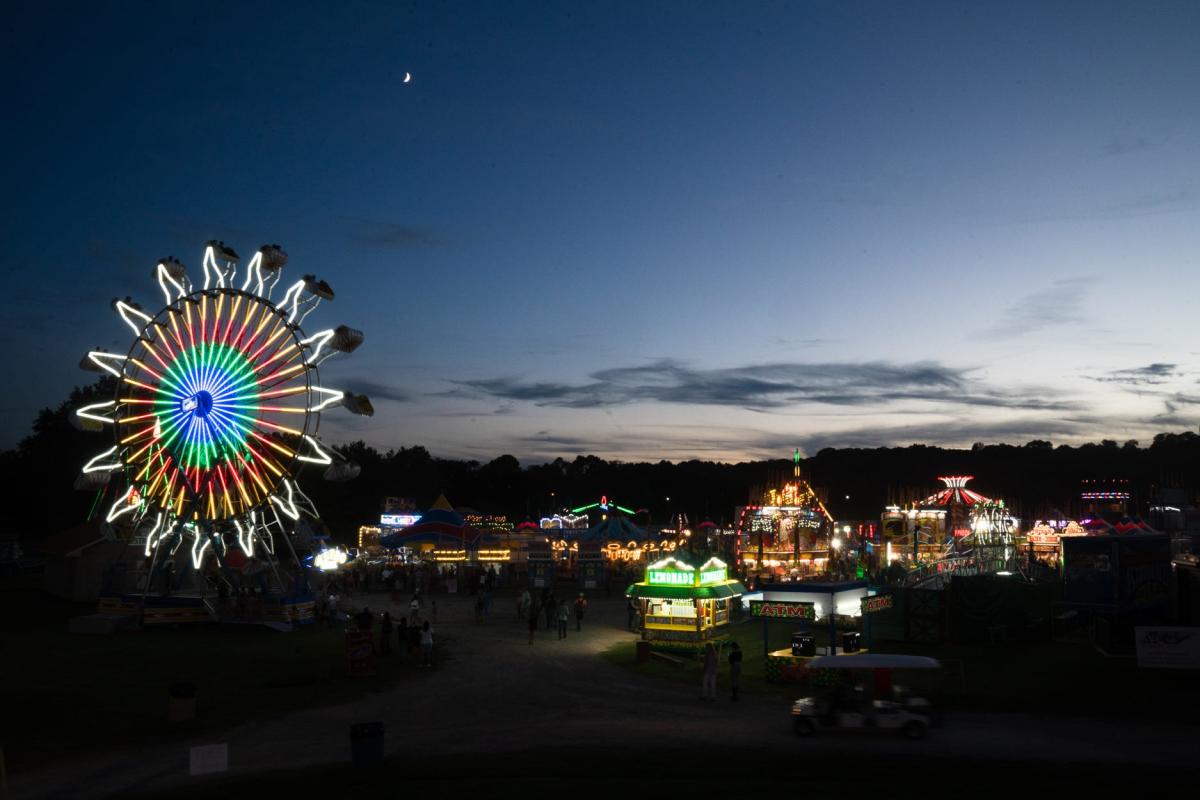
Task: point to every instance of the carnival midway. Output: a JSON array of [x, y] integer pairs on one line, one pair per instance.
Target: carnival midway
[[207, 449]]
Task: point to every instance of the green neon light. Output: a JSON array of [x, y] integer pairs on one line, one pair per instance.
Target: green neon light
[[629, 511], [671, 577], [711, 576]]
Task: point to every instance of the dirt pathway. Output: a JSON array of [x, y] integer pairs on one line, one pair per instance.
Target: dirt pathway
[[496, 693]]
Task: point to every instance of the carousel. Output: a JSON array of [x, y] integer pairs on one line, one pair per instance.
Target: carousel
[[952, 521]]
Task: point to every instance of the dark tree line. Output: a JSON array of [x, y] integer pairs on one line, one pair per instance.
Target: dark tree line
[[1037, 479]]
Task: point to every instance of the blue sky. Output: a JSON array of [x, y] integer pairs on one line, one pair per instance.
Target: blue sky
[[638, 230]]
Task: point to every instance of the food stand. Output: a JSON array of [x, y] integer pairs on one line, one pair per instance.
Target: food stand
[[685, 606]]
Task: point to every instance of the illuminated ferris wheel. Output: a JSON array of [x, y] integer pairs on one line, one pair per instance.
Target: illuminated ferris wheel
[[217, 407]]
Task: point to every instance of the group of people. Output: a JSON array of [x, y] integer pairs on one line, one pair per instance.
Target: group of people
[[553, 609], [413, 635], [708, 687]]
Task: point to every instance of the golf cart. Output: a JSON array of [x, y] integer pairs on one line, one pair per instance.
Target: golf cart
[[847, 706]]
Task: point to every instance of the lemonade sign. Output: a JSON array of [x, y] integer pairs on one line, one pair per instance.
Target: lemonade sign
[[673, 571]]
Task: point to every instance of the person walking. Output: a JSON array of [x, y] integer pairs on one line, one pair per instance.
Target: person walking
[[532, 619], [562, 620], [331, 609], [550, 612], [402, 636], [631, 611], [735, 668], [426, 644], [385, 633], [580, 607], [414, 638], [708, 689], [414, 609]]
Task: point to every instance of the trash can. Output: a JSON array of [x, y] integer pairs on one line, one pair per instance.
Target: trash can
[[850, 641], [181, 705], [643, 651], [803, 644], [366, 744]]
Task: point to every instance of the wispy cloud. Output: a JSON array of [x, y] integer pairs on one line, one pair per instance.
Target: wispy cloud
[[377, 233], [499, 411], [1145, 205], [942, 432], [1149, 375], [1060, 303], [378, 391], [784, 341], [1171, 405], [764, 386], [1185, 399], [1127, 143]]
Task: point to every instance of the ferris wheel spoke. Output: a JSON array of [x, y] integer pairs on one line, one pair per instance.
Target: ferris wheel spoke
[[213, 404], [227, 430], [227, 386]]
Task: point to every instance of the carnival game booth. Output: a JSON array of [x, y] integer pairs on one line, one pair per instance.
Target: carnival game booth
[[685, 604], [806, 603], [600, 548], [1043, 543], [492, 553], [443, 539]]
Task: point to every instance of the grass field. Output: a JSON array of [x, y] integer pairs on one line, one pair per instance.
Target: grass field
[[66, 693], [1051, 677], [733, 771]]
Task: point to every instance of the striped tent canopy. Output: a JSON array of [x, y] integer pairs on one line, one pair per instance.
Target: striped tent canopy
[[441, 525], [615, 528], [956, 491]]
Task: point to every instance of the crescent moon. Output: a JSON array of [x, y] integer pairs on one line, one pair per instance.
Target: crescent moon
[[408, 77]]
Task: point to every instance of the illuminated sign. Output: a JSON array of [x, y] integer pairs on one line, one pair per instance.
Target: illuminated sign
[[880, 602], [398, 520], [1104, 495], [559, 521], [672, 577], [782, 609], [673, 572], [329, 560]]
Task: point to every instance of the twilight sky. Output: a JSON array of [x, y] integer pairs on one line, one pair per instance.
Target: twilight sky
[[637, 230]]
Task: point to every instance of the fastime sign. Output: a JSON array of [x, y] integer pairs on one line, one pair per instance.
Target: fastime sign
[[780, 609], [1168, 648], [880, 602]]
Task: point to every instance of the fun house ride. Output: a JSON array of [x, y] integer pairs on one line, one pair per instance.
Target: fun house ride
[[787, 535], [216, 409]]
